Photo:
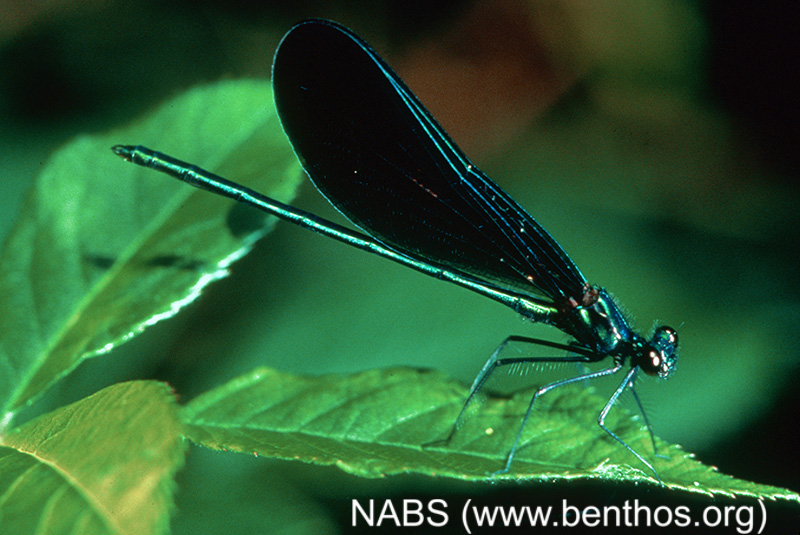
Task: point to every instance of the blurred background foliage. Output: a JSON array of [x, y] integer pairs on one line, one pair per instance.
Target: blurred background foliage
[[657, 141]]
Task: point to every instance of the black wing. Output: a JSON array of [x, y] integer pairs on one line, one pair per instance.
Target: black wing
[[377, 154]]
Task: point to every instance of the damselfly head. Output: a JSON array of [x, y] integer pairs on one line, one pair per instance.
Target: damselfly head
[[660, 355]]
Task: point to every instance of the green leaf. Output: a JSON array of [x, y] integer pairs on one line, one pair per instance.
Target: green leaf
[[373, 423], [105, 248], [102, 465]]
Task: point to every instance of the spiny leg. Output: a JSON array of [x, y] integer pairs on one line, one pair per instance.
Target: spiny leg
[[583, 377], [494, 362], [629, 377], [647, 423]]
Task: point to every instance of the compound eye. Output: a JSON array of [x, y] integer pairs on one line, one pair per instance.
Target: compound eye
[[651, 364], [666, 335]]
